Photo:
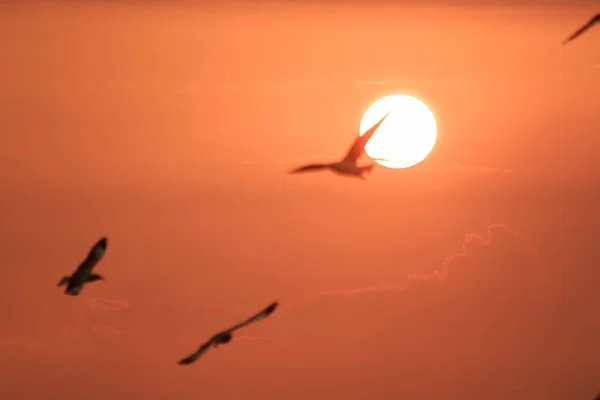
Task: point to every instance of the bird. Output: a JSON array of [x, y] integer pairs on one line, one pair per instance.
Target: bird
[[225, 337], [83, 274], [348, 165], [588, 25]]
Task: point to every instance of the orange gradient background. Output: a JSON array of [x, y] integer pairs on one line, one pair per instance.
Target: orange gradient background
[[169, 126]]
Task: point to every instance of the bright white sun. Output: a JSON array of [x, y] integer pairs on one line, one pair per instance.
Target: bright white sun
[[406, 137]]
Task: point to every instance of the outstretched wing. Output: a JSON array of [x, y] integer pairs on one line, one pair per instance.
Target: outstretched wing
[[263, 314], [584, 28], [94, 256], [359, 144], [196, 355], [86, 265], [94, 278], [309, 168]]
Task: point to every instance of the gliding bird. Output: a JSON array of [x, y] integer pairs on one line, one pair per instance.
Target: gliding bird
[[348, 165], [84, 274], [225, 337], [590, 23]]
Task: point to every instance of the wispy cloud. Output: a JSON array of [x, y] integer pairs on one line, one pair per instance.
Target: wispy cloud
[[246, 337], [443, 169], [107, 307], [108, 332], [500, 244], [474, 169], [291, 161], [333, 82], [418, 83], [29, 345]]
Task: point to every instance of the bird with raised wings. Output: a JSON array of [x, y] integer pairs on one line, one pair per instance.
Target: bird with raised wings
[[588, 25], [225, 337], [84, 273], [348, 166]]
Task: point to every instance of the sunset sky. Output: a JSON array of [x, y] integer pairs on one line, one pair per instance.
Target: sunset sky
[[169, 127]]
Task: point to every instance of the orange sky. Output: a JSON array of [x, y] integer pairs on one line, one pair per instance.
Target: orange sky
[[169, 128]]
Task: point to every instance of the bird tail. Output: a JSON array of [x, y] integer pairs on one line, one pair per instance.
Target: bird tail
[[64, 280], [367, 168], [94, 278]]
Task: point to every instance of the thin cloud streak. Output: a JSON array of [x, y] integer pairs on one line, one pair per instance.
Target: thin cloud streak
[[471, 246], [31, 345], [446, 169], [288, 161], [107, 331], [246, 337], [332, 82], [475, 169], [107, 307]]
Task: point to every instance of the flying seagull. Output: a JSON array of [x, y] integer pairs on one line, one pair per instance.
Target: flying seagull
[[348, 165], [225, 337], [84, 274], [584, 28]]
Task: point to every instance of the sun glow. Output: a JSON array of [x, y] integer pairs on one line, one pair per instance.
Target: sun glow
[[406, 137]]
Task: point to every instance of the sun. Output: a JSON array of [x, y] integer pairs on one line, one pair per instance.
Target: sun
[[406, 137]]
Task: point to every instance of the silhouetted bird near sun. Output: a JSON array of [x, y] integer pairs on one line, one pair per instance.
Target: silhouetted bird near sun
[[584, 28], [84, 274], [348, 165], [225, 337]]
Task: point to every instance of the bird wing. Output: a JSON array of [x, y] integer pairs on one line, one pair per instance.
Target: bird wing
[[360, 142], [86, 265], [309, 168], [263, 314], [63, 281], [584, 28], [196, 355]]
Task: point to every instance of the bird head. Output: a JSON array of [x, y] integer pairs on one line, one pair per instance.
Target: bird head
[[73, 290], [271, 308], [103, 243]]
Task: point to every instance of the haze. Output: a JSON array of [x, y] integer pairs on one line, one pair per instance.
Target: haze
[[169, 128]]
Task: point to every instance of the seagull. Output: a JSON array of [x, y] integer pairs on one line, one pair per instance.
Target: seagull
[[584, 28], [84, 274], [348, 165], [225, 337]]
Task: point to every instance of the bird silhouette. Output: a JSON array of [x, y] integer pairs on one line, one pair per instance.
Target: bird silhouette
[[588, 25], [84, 273], [348, 165], [225, 337]]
